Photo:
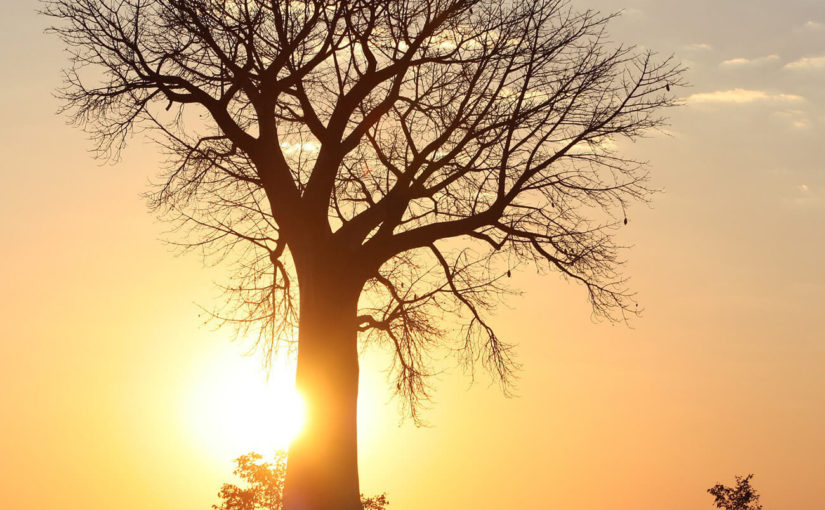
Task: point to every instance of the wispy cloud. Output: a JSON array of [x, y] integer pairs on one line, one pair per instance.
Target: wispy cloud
[[796, 118], [632, 12], [805, 197], [741, 96], [750, 62], [814, 25], [807, 63], [597, 146], [698, 47]]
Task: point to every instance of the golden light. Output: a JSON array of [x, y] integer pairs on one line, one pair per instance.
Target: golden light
[[232, 408]]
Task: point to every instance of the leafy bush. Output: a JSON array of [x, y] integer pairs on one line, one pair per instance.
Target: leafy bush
[[741, 497], [264, 483]]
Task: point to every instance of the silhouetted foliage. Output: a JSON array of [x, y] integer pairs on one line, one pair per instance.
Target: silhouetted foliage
[[265, 486], [741, 497]]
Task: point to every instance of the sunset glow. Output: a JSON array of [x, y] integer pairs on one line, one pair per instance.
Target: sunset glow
[[233, 409]]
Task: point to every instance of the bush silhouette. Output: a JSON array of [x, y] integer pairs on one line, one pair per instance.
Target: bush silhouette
[[264, 483], [741, 497]]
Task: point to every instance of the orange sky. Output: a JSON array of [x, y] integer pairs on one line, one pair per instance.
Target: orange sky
[[106, 370]]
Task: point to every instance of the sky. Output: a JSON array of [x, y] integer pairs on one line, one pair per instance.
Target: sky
[[115, 394]]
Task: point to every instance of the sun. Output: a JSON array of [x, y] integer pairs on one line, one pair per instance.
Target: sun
[[235, 409]]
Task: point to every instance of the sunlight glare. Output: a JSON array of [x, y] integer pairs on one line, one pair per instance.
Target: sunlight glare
[[234, 409]]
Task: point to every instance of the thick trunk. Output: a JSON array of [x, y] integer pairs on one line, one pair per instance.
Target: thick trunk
[[322, 470]]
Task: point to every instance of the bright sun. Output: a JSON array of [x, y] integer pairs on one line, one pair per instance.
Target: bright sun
[[234, 410]]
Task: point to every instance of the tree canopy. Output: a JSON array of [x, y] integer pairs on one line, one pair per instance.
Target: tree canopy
[[433, 146]]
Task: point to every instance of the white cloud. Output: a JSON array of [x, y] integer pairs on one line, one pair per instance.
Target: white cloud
[[306, 147], [632, 12], [597, 146], [741, 96], [813, 25], [748, 62], [807, 63], [698, 47]]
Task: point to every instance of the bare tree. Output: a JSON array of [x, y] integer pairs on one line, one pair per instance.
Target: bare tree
[[374, 167]]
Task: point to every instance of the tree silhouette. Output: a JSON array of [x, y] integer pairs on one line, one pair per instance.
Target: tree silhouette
[[741, 497], [376, 169], [265, 486]]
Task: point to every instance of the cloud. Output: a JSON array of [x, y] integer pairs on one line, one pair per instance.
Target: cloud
[[742, 96], [807, 64], [798, 119], [804, 197], [814, 25], [698, 47], [632, 12], [750, 62], [306, 147], [597, 146]]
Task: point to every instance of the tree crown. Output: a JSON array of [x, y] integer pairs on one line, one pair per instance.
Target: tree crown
[[426, 148]]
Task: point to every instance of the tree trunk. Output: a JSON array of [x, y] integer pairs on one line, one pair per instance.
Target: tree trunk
[[322, 467]]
